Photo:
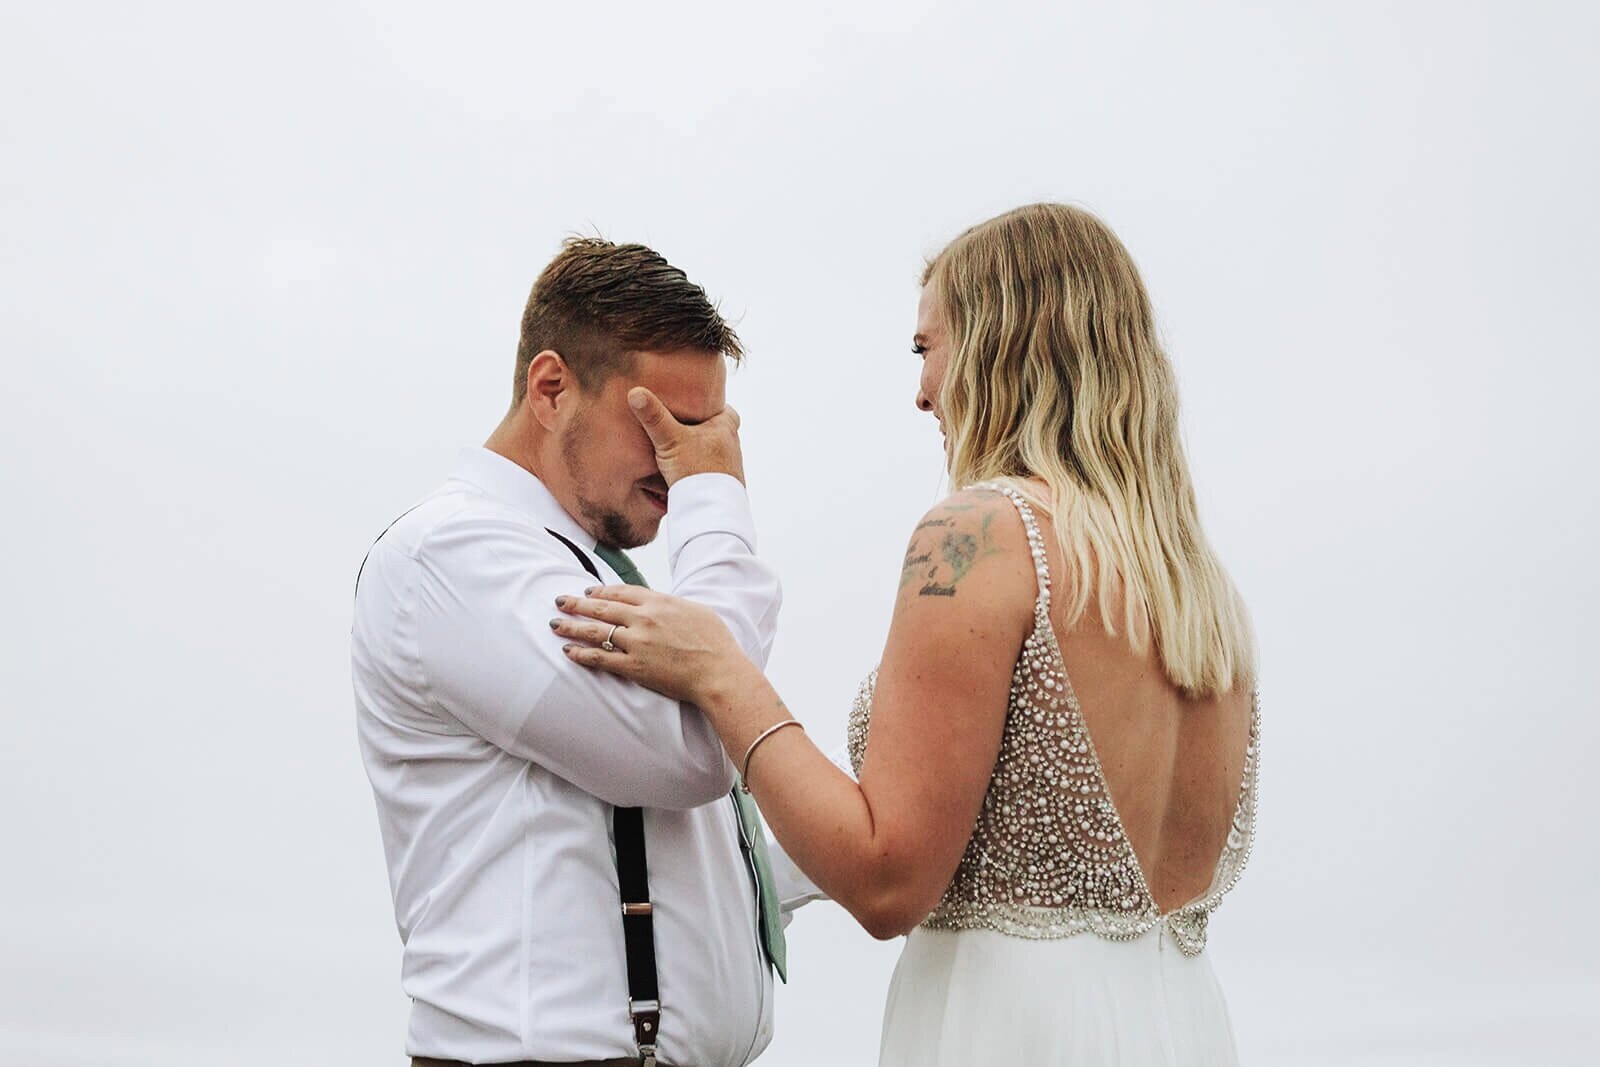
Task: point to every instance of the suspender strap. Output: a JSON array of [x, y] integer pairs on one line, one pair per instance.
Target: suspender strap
[[633, 883], [362, 569], [583, 557], [638, 929]]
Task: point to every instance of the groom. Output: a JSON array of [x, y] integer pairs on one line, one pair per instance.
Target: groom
[[571, 880]]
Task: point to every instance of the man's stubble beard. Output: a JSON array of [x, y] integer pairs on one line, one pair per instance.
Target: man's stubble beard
[[611, 527]]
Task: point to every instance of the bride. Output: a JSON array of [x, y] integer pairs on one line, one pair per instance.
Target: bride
[[1056, 757]]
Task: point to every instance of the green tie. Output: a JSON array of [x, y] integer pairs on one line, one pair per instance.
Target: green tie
[[751, 835], [771, 918], [618, 561]]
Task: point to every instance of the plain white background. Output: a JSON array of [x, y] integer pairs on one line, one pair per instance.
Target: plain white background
[[263, 271]]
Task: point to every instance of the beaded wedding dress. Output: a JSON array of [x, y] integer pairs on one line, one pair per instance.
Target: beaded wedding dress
[[1048, 946]]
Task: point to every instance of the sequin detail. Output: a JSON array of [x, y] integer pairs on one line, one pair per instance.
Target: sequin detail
[[1049, 857]]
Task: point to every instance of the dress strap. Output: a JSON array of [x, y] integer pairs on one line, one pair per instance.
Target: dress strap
[[1041, 559]]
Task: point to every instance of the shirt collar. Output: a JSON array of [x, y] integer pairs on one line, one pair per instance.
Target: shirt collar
[[519, 487]]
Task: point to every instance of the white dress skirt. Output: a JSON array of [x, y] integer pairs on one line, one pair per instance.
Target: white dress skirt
[[966, 997]]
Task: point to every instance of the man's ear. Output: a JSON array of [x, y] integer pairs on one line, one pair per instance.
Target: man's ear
[[549, 380]]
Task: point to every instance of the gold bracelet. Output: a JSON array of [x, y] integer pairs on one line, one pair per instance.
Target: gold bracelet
[[744, 777]]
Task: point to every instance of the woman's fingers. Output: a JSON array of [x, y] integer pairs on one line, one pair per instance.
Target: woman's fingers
[[661, 644], [614, 662], [622, 594], [595, 633], [600, 608]]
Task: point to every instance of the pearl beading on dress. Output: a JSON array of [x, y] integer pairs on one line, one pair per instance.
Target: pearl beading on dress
[[1049, 857]]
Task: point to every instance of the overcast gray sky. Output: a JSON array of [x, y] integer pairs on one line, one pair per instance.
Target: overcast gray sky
[[263, 273]]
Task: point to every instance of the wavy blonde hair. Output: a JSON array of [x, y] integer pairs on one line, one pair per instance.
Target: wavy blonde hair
[[1056, 373]]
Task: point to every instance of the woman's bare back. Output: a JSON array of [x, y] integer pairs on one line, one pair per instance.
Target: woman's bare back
[[1173, 765]]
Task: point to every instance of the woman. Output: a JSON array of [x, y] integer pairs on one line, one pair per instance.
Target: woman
[[1057, 755]]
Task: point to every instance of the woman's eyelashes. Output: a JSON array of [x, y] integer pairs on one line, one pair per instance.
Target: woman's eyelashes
[[919, 350]]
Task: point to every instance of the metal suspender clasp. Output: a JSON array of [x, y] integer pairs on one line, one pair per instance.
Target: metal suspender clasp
[[646, 1023]]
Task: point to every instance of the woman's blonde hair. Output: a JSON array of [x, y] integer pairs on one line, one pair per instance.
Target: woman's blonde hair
[[1056, 373]]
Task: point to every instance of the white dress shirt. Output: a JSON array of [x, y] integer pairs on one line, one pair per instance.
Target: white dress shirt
[[495, 763]]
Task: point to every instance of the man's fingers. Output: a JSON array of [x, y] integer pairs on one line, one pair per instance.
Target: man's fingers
[[653, 416]]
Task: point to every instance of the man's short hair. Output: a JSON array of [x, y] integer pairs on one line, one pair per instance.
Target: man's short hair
[[598, 303]]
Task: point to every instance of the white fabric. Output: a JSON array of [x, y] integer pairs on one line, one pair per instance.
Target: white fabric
[[963, 997], [495, 761]]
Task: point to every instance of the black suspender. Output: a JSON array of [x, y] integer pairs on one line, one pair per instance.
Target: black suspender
[[638, 930], [360, 570], [583, 557], [633, 879]]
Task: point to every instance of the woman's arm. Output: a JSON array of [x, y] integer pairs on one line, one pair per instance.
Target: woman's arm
[[885, 848]]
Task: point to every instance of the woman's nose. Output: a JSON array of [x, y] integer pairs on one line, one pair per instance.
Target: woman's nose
[[923, 403]]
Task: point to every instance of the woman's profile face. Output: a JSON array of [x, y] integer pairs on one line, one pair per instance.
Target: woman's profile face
[[933, 344]]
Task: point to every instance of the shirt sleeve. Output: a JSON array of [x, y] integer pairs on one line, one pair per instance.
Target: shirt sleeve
[[486, 590], [711, 548]]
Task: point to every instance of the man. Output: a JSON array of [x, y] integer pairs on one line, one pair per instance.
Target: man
[[503, 773]]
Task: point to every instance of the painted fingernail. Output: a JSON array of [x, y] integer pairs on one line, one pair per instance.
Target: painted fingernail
[[555, 624], [561, 601], [590, 591], [568, 649]]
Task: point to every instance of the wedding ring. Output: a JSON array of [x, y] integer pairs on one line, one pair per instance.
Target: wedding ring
[[606, 644]]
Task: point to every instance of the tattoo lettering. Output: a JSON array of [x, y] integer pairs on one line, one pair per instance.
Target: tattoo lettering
[[914, 564], [940, 556]]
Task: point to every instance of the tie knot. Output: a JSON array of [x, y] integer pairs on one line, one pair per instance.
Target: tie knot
[[618, 561]]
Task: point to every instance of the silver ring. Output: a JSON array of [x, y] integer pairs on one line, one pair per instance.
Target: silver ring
[[606, 644]]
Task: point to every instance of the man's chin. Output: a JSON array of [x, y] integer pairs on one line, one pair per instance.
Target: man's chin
[[637, 540], [629, 532]]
